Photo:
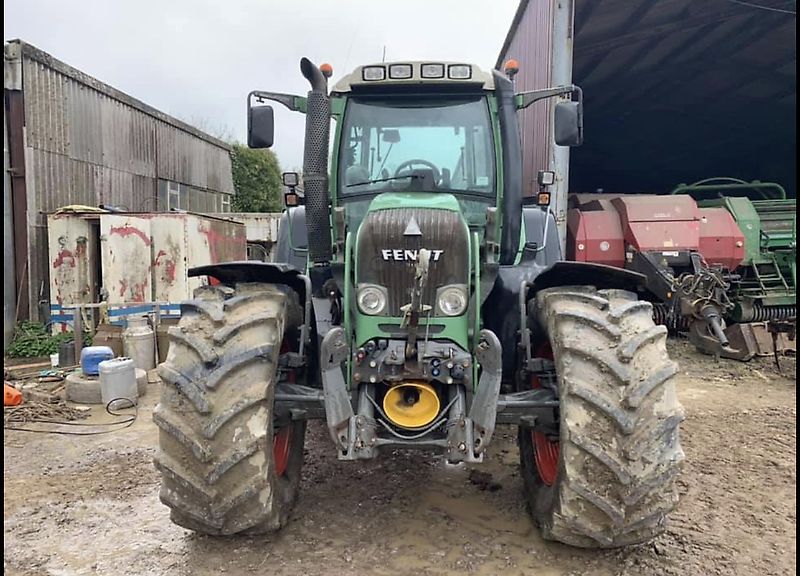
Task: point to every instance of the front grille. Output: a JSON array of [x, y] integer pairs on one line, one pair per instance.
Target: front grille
[[384, 230]]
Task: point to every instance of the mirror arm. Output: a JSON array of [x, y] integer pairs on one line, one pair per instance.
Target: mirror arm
[[525, 99], [292, 102]]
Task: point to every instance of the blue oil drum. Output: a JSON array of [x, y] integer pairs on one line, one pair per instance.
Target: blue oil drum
[[91, 356]]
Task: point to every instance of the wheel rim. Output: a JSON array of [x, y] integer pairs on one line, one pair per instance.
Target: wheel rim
[[545, 450], [281, 447], [282, 437]]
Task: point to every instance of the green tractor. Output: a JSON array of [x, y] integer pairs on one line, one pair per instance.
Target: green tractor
[[419, 301]]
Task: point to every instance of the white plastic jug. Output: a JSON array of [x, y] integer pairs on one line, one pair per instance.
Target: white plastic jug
[[118, 383]]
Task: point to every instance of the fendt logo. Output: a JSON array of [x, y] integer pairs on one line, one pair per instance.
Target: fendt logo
[[408, 255]]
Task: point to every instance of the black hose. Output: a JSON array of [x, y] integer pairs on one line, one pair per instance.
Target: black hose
[[125, 421]]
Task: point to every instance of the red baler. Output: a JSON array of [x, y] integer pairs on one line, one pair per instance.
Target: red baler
[[687, 254]]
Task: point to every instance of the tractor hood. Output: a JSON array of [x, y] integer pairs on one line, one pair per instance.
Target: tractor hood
[[388, 243]]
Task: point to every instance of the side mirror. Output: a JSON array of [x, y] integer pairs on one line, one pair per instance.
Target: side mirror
[[260, 127], [568, 123]]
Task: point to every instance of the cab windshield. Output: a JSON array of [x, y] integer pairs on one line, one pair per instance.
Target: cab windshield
[[417, 144]]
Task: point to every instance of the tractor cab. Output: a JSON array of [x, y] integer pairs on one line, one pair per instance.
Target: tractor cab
[[425, 127], [416, 127]]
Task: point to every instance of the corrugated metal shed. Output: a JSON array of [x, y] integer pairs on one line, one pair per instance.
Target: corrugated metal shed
[[675, 90], [84, 142], [541, 41]]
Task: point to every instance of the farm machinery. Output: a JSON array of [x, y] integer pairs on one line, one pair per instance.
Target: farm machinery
[[720, 264], [418, 303]]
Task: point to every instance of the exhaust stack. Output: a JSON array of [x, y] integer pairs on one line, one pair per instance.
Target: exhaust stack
[[315, 173]]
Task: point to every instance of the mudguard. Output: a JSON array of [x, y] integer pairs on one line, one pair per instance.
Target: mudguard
[[587, 274], [254, 271], [292, 245]]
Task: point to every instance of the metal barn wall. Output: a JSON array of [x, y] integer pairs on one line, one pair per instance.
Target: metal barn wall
[[541, 40], [88, 143], [530, 43]]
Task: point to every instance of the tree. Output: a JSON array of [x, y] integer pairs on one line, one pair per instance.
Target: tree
[[218, 130], [257, 180]]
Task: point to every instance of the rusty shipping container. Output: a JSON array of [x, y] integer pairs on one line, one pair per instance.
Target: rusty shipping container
[[261, 230], [134, 261], [75, 140]]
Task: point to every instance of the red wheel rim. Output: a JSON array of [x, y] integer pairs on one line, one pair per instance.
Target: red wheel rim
[[282, 437], [281, 446], [545, 450]]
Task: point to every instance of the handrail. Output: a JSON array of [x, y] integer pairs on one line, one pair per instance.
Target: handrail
[[721, 184]]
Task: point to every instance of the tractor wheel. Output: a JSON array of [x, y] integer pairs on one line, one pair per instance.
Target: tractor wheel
[[605, 477], [226, 467]]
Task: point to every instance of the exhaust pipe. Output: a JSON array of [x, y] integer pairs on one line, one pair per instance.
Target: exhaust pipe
[[315, 174]]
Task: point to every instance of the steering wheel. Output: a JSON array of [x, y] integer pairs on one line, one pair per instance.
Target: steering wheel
[[409, 163]]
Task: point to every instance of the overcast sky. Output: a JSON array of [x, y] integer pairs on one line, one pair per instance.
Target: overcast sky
[[198, 59]]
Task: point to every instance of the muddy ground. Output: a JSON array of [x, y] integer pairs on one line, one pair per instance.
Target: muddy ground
[[89, 505]]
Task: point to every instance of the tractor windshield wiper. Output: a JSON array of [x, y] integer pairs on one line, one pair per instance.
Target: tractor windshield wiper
[[378, 180], [457, 192]]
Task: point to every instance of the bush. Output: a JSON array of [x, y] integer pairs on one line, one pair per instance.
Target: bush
[[257, 180], [32, 339]]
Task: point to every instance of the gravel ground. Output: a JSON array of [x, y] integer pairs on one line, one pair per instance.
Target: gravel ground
[[75, 506]]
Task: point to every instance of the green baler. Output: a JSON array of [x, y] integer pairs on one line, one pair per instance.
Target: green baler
[[766, 289]]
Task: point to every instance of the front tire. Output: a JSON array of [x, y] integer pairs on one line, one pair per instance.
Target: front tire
[[607, 478], [226, 467]]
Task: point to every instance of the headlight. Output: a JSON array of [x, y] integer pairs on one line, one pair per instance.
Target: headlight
[[371, 300], [452, 301]]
